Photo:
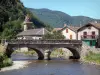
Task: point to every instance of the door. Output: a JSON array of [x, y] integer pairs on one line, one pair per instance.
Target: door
[[71, 36]]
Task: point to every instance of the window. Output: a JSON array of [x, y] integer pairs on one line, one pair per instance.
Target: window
[[85, 34], [66, 30], [93, 34]]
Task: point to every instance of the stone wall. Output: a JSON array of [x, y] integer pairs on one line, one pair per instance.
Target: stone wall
[[86, 49]]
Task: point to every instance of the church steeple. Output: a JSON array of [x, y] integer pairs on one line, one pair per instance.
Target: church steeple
[[27, 23]]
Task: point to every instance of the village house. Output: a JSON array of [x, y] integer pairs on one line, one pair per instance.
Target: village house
[[70, 32], [29, 33], [90, 34]]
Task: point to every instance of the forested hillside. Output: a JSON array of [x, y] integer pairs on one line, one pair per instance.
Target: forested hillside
[[58, 18], [12, 14]]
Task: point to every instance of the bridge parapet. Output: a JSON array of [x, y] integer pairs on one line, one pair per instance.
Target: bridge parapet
[[42, 41]]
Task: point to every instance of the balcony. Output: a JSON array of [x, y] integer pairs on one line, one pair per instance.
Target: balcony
[[89, 37]]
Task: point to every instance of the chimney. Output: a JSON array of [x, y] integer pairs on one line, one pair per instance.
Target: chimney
[[65, 25], [95, 22], [80, 24], [25, 27]]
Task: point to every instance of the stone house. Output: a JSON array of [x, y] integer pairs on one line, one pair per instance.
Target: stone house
[[34, 34], [29, 33]]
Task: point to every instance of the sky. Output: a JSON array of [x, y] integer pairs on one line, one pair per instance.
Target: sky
[[90, 8]]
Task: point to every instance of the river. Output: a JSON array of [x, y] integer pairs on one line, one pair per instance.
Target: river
[[52, 67]]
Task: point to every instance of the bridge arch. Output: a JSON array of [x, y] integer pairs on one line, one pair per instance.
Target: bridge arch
[[74, 51], [39, 53], [10, 50]]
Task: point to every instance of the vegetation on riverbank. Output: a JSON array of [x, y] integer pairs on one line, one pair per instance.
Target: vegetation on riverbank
[[26, 52], [4, 60], [93, 58], [60, 53], [57, 53]]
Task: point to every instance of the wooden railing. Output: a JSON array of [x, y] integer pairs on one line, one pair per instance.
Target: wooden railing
[[41, 41]]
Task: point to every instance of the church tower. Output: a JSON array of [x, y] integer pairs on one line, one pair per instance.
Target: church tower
[[27, 23]]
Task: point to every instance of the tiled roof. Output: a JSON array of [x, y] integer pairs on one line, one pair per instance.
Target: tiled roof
[[73, 28], [57, 29], [96, 25], [32, 32]]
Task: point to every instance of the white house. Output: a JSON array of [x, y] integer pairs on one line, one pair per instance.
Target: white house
[[89, 33], [70, 32]]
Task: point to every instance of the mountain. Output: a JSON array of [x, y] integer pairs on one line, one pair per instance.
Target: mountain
[[58, 18]]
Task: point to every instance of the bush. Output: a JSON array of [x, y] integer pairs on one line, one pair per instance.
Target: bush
[[4, 60], [7, 62]]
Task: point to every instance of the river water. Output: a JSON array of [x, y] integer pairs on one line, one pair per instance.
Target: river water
[[53, 67]]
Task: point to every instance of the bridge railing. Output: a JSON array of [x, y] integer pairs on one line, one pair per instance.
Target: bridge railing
[[42, 41]]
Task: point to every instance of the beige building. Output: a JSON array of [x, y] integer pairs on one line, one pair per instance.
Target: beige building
[[70, 32]]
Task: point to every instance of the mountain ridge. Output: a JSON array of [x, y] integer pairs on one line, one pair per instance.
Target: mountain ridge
[[58, 18]]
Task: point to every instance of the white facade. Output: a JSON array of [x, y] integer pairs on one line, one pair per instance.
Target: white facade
[[88, 30], [30, 38], [36, 37], [69, 34]]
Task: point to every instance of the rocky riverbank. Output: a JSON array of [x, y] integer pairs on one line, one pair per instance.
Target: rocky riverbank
[[91, 58], [90, 62], [16, 65]]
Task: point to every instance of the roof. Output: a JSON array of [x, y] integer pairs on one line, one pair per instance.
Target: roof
[[32, 32], [96, 25], [57, 29], [73, 28]]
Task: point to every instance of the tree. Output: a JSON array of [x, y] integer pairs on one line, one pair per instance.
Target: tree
[[11, 29], [54, 35]]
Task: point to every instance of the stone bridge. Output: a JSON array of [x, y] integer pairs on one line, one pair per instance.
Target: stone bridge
[[44, 47]]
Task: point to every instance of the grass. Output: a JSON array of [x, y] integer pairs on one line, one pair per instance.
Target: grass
[[93, 57]]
